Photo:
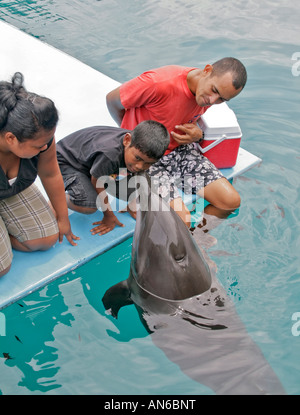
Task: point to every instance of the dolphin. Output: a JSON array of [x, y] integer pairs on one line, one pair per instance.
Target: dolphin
[[183, 305]]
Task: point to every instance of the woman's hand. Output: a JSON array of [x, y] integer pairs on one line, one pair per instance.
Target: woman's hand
[[65, 230]]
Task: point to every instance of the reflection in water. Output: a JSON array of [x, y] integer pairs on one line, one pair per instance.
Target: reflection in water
[[208, 341], [28, 341]]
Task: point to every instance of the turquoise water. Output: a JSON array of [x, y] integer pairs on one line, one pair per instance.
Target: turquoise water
[[59, 340]]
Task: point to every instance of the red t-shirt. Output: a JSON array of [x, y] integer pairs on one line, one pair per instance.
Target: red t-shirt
[[162, 95]]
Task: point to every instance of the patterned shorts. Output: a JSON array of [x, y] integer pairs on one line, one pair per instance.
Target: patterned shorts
[[184, 168], [26, 216]]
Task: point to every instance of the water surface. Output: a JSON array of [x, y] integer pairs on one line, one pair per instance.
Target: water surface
[[59, 340]]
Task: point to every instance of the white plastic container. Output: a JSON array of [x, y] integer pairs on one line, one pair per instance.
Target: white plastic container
[[222, 135]]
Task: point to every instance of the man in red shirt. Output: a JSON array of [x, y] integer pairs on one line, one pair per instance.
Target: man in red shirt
[[177, 96]]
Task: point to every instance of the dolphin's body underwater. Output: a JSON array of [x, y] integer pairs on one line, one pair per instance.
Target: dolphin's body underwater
[[184, 307]]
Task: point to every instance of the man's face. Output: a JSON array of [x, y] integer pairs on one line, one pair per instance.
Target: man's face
[[215, 89]]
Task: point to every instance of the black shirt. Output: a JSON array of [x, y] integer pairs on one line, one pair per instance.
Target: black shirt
[[96, 151], [26, 176]]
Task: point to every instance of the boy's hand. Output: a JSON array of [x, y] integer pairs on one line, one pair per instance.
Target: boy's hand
[[131, 208], [106, 225], [131, 212]]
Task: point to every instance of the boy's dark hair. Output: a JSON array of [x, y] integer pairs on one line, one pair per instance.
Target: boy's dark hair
[[235, 67], [24, 113], [151, 138]]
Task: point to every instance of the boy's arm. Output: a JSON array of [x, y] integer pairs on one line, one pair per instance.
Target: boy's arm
[[114, 105], [109, 220]]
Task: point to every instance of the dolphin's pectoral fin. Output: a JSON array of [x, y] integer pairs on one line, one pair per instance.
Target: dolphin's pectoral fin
[[117, 297]]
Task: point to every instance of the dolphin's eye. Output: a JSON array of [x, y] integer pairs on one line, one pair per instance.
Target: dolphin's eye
[[177, 251], [179, 257]]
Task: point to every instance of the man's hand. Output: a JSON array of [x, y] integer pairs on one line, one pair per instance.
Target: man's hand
[[191, 133]]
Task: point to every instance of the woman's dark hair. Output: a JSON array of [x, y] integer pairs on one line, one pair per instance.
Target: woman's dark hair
[[150, 138], [24, 113]]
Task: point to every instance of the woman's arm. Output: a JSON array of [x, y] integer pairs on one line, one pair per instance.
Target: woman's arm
[[51, 178]]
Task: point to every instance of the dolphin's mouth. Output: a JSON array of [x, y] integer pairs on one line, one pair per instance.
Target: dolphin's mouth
[[172, 300]]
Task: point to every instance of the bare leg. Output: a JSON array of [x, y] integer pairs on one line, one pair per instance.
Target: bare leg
[[40, 244], [80, 209], [224, 200], [182, 211], [222, 195], [4, 271]]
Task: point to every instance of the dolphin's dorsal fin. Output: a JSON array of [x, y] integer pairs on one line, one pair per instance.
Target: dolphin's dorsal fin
[[117, 297]]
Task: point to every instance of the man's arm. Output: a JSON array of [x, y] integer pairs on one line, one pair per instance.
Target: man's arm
[[114, 105], [191, 133]]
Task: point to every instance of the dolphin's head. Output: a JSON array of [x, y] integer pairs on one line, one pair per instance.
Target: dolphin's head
[[166, 261], [166, 267]]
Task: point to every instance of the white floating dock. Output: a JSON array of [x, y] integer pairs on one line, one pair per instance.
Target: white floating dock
[[79, 94]]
